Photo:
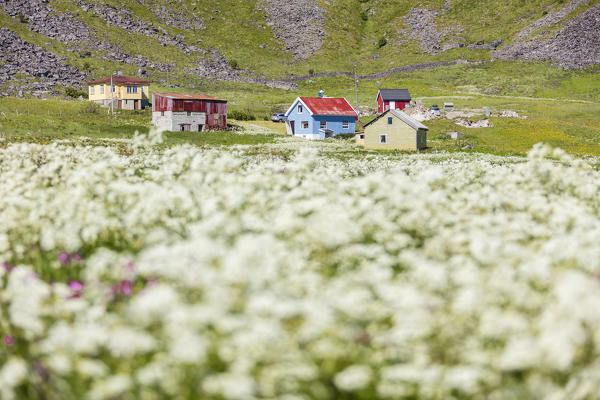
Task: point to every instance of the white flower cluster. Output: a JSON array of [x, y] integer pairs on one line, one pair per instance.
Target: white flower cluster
[[191, 273]]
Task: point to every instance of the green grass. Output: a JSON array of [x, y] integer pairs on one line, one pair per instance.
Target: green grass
[[571, 125]]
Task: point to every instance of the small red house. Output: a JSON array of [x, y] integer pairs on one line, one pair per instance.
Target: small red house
[[395, 99], [188, 112]]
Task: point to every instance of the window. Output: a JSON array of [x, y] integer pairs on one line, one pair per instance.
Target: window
[[387, 107], [132, 89], [390, 120], [361, 137], [304, 124], [299, 108], [162, 113], [101, 89], [189, 113], [142, 88], [184, 127], [345, 125], [323, 124], [114, 89], [382, 139], [92, 90]]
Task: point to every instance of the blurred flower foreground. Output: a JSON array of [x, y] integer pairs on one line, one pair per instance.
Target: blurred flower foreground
[[145, 272]]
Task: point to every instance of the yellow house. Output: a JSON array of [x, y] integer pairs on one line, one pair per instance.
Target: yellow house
[[127, 93], [394, 130]]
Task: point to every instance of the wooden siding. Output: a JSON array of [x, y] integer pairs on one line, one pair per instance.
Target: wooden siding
[[216, 111], [400, 135], [384, 105]]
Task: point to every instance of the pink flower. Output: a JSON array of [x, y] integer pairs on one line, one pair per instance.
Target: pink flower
[[7, 267], [76, 257], [126, 288], [63, 257], [130, 267], [8, 340], [123, 288], [77, 288]]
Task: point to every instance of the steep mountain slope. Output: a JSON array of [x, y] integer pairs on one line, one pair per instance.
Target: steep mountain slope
[[270, 42]]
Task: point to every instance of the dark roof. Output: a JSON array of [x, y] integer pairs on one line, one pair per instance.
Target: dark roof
[[413, 123], [395, 94], [182, 96], [120, 79]]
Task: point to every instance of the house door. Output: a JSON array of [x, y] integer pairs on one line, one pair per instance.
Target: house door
[[292, 126], [119, 105], [200, 127], [136, 104], [184, 127]]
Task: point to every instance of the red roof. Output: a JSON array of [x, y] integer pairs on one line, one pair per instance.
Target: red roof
[[328, 106], [119, 79], [181, 96]]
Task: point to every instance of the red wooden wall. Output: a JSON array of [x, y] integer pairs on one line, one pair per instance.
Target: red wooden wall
[[210, 107]]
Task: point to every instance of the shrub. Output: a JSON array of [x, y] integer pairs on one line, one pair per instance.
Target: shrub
[[241, 115], [89, 107], [75, 93], [311, 71], [364, 16], [382, 42], [233, 64], [22, 18]]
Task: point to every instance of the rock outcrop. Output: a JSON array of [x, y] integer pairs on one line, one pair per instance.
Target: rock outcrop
[[421, 26], [300, 25], [125, 19], [28, 68], [67, 28], [177, 19], [575, 46]]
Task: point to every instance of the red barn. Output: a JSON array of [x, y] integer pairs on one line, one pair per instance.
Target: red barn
[[188, 112], [395, 99]]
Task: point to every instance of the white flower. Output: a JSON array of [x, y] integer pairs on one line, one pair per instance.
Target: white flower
[[353, 378]]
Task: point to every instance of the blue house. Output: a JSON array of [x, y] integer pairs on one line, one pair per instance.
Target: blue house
[[320, 118]]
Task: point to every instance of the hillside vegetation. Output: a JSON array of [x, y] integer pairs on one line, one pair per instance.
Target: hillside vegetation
[[191, 44]]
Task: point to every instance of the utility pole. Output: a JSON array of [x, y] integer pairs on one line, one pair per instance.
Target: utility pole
[[356, 86], [112, 102]]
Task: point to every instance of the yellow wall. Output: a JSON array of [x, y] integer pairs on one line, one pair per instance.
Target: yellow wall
[[400, 135], [358, 139], [120, 92]]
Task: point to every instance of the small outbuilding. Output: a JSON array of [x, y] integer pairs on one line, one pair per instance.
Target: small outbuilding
[[394, 130], [392, 99], [188, 112], [320, 117]]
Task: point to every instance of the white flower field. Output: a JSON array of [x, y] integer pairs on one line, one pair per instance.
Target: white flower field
[[152, 272]]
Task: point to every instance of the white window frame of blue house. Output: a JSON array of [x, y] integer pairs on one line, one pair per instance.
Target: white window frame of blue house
[[322, 124], [390, 120], [300, 110], [383, 139], [346, 125], [304, 124]]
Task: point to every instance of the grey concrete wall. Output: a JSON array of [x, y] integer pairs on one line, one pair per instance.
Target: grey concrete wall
[[171, 121]]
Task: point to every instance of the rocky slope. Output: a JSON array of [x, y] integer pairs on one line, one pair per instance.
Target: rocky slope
[[29, 68], [575, 46], [290, 34], [299, 25]]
